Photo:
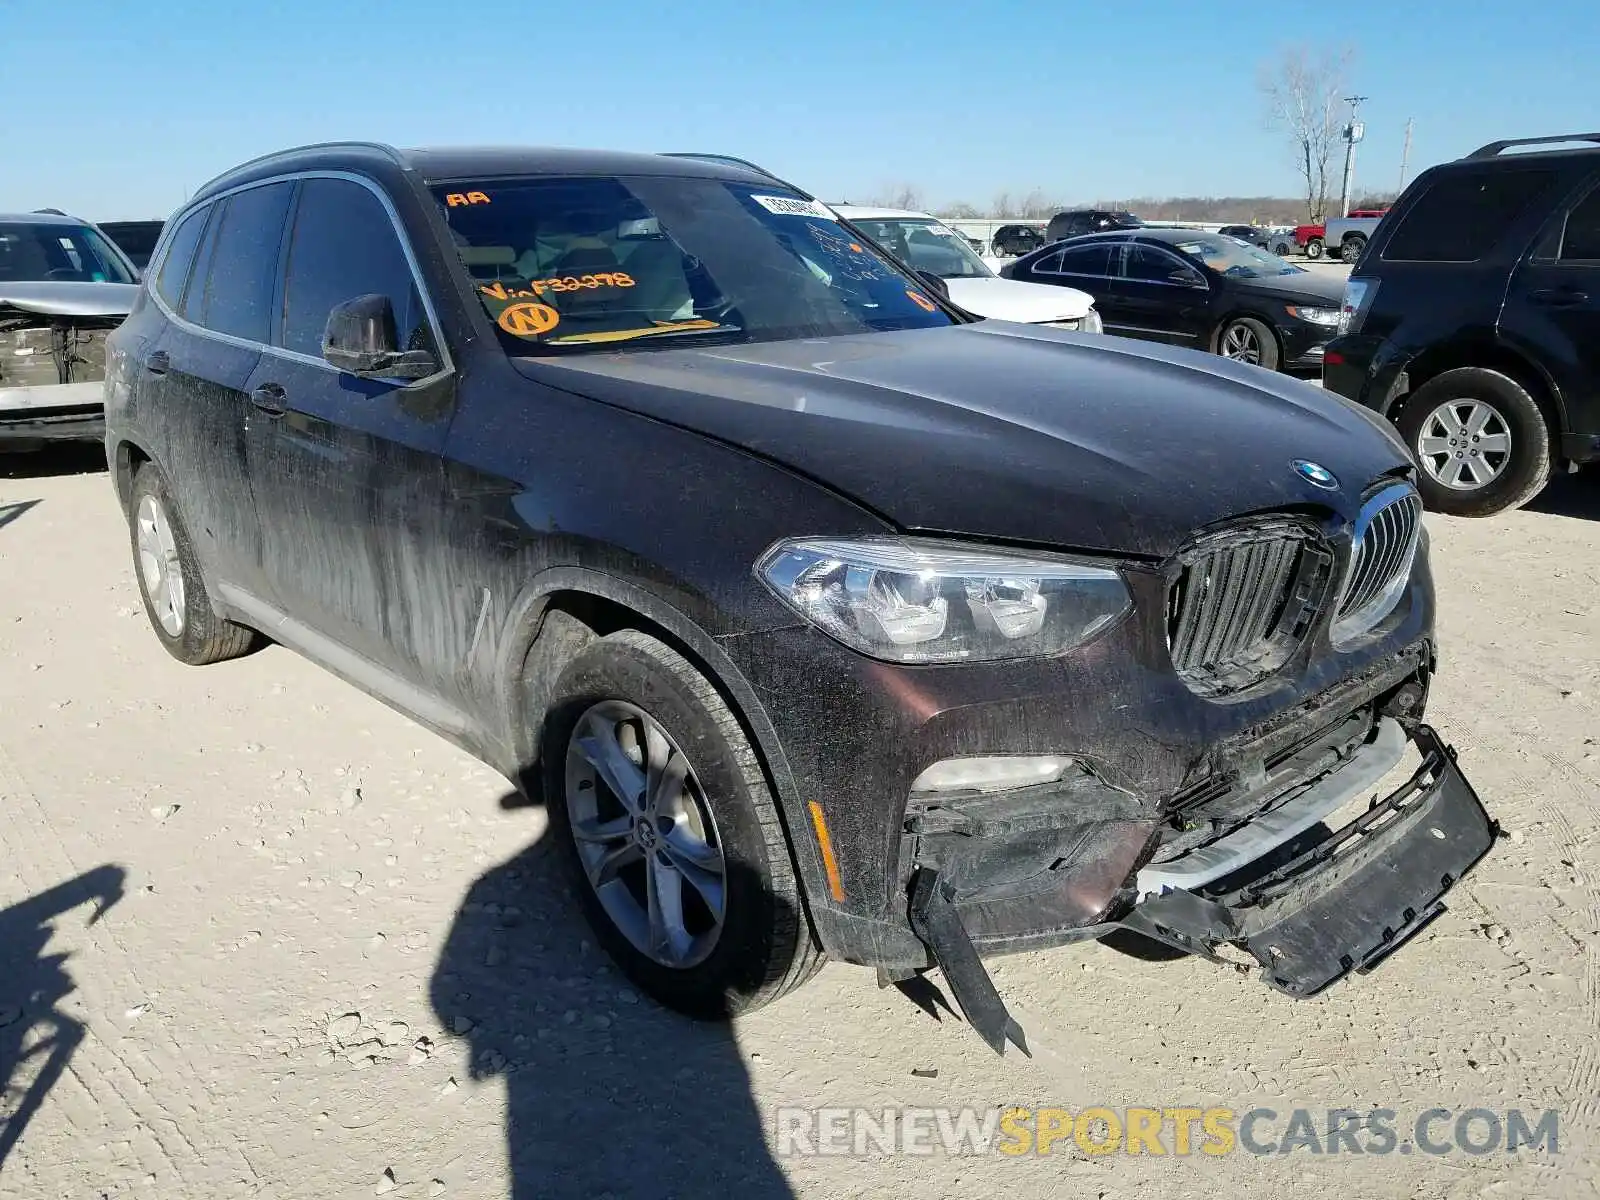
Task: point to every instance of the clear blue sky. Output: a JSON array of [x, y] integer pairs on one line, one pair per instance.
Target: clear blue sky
[[118, 108]]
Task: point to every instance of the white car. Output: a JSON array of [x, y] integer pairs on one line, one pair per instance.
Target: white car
[[925, 243]]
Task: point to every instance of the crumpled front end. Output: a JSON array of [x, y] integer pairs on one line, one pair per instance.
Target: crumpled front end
[[52, 373]]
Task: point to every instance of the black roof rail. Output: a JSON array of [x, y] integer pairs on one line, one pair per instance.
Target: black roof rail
[[54, 212], [382, 148], [724, 159], [1494, 148]]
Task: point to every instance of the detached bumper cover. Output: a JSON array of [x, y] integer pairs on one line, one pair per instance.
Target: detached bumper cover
[[63, 412], [1342, 904]]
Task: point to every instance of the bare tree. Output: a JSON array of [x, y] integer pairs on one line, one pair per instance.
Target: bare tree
[[960, 211], [900, 195], [1303, 89], [1000, 206]]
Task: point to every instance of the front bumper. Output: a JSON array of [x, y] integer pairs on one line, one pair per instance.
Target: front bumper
[[1303, 344], [1308, 911], [68, 412]]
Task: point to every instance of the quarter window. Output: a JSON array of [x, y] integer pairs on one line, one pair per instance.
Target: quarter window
[[1463, 215], [244, 263], [1581, 242], [344, 245], [180, 256], [1149, 265]]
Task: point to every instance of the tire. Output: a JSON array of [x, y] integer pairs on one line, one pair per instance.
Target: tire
[[1351, 248], [764, 945], [1462, 397], [1283, 249], [1314, 248], [1247, 331], [170, 582]]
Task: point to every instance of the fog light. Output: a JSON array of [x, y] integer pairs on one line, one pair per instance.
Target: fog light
[[993, 774]]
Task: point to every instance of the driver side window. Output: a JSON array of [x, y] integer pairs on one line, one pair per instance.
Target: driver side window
[[343, 245]]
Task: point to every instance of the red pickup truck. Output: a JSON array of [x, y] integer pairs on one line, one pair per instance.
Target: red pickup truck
[[1311, 238]]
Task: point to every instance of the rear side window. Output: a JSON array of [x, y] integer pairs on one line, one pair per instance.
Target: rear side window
[[1462, 215], [1087, 260], [244, 263], [1047, 264], [180, 256], [343, 246], [1581, 242], [194, 296]]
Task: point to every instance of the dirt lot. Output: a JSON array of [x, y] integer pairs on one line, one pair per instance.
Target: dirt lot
[[333, 964]]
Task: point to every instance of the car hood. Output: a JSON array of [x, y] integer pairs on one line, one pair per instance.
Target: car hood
[[1306, 287], [1013, 300], [58, 299], [1011, 432]]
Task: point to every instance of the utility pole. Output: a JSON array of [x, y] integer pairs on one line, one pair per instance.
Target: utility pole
[[1353, 133], [1405, 155]]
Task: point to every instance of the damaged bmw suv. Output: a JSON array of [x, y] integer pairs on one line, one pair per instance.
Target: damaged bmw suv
[[825, 620]]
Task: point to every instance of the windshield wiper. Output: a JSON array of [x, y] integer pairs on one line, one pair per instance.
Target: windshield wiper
[[658, 330]]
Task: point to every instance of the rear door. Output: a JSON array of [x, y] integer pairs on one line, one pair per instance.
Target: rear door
[[1083, 267], [1161, 297], [207, 356], [1553, 305], [346, 470]]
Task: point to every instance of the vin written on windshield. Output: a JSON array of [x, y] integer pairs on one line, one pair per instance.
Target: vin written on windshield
[[562, 264]]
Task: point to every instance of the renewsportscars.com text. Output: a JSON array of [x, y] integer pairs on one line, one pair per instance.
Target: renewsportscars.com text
[[1178, 1131]]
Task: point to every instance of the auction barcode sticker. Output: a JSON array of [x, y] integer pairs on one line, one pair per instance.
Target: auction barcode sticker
[[794, 206]]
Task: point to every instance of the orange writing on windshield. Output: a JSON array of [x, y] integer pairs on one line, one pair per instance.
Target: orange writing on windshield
[[456, 199], [529, 320], [922, 301], [565, 283]]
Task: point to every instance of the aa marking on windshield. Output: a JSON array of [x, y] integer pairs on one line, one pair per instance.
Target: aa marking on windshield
[[456, 199]]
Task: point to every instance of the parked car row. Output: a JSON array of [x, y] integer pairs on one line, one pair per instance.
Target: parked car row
[[642, 476]]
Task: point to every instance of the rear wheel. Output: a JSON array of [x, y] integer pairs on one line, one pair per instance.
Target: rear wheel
[[175, 597], [1314, 248], [676, 850], [1351, 248], [1481, 442], [1247, 340]]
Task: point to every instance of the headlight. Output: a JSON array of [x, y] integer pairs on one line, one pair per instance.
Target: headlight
[[1317, 316], [1061, 324], [912, 600], [1091, 322]]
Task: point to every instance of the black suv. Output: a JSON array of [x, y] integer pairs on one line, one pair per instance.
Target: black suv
[[1013, 241], [1473, 322], [823, 618], [1089, 220]]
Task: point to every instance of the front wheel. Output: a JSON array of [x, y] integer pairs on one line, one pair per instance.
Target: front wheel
[[1314, 248], [1350, 250], [1247, 340], [675, 846], [1481, 442]]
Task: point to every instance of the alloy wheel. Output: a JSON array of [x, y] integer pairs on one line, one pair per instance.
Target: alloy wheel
[[1464, 444], [645, 835], [160, 572], [1239, 342]]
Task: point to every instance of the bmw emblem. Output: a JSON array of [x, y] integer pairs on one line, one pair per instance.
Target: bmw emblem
[[1315, 474]]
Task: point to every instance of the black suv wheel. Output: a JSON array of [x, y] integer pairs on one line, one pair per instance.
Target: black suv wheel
[[679, 858], [1481, 442]]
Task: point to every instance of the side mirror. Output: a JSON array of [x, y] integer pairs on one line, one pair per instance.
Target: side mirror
[[1186, 278], [935, 282], [360, 338]]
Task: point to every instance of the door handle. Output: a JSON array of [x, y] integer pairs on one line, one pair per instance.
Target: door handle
[[158, 362], [1558, 297], [271, 399]]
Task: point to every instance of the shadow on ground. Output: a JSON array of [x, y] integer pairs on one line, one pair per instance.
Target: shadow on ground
[[10, 512], [608, 1093], [1571, 496], [64, 458], [37, 1039]]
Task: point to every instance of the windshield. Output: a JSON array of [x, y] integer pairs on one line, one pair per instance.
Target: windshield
[[926, 245], [617, 263], [1235, 259], [36, 253]]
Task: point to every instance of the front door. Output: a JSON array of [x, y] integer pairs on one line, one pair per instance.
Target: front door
[[1161, 297]]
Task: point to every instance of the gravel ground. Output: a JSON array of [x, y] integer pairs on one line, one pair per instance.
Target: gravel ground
[[333, 963]]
